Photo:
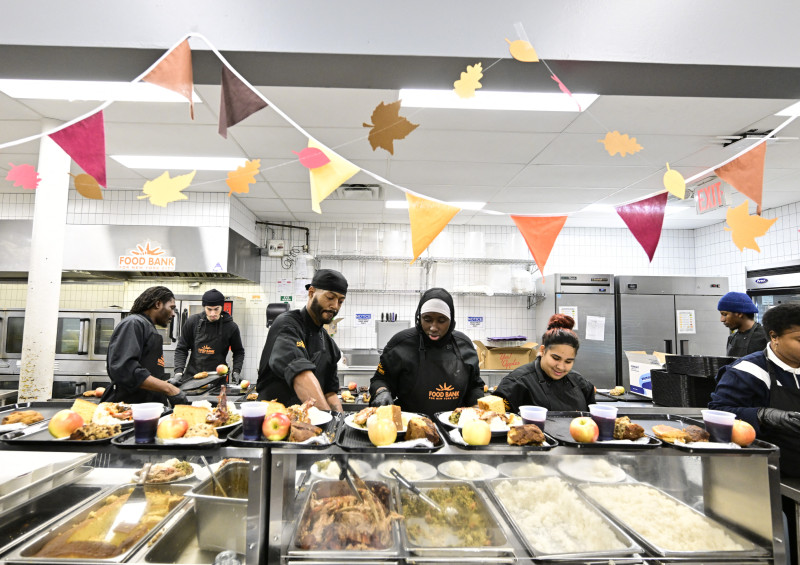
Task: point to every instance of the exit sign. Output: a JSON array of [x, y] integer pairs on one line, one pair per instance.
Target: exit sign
[[709, 198]]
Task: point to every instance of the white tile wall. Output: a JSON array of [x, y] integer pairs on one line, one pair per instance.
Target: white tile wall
[[17, 206]]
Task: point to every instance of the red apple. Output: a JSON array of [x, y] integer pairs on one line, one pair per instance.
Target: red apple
[[352, 386], [743, 433], [64, 422], [276, 426], [222, 369], [171, 428], [244, 384], [584, 430], [99, 391], [477, 432]]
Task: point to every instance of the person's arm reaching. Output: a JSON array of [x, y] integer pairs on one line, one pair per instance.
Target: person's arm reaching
[[306, 386], [334, 402]]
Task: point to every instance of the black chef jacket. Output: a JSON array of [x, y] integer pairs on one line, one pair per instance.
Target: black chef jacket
[[745, 343], [209, 343], [135, 352], [529, 385], [296, 344]]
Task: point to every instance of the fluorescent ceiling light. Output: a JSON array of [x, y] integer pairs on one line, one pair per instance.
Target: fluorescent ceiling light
[[164, 163], [91, 90], [488, 100], [403, 204], [793, 110]]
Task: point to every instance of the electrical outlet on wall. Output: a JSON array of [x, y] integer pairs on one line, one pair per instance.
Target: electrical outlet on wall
[[276, 247]]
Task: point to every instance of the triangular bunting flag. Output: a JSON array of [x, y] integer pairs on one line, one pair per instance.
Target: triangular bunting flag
[[428, 218], [540, 234], [644, 218], [746, 174], [85, 143], [237, 102], [174, 72], [327, 178]]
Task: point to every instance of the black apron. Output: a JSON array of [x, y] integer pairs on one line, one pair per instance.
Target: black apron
[[153, 360], [562, 395], [442, 379], [784, 398], [200, 359]]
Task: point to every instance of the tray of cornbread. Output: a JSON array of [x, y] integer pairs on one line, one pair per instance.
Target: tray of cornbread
[[104, 530]]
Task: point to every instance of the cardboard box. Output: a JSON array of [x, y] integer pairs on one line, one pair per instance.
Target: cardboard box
[[505, 358], [639, 366]]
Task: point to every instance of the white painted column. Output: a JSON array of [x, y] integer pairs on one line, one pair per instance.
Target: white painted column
[[44, 276]]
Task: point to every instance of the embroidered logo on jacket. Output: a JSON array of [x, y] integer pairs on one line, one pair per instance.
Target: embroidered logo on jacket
[[444, 392], [206, 349], [380, 369], [301, 344], [161, 361]]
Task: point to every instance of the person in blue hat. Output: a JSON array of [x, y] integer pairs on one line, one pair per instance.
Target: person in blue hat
[[737, 312]]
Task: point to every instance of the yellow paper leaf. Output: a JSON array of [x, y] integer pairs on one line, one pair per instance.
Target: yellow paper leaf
[[88, 187], [620, 143], [745, 228], [329, 177], [523, 51], [241, 179], [470, 81], [428, 218], [163, 190], [674, 183], [388, 125]]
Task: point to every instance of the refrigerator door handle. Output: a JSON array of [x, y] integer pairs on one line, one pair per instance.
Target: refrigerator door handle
[[684, 347], [667, 346]]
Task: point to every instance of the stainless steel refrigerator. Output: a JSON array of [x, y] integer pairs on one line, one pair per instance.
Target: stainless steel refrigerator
[[590, 300], [669, 314], [775, 285]]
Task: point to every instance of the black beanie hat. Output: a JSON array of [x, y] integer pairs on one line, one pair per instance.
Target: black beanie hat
[[213, 297], [328, 279]]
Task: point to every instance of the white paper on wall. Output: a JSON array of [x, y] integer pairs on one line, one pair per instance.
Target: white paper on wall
[[686, 322], [595, 328], [571, 311]]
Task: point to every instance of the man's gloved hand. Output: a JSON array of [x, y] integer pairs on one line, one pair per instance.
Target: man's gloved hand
[[176, 379], [782, 420], [179, 398], [383, 398], [234, 379]]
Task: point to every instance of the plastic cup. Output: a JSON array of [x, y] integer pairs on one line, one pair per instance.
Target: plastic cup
[[253, 414], [719, 424], [533, 415], [605, 417], [145, 421]]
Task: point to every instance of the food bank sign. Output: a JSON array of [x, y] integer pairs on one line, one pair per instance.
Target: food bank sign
[[148, 256]]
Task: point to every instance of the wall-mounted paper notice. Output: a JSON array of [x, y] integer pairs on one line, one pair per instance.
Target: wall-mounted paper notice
[[595, 328], [686, 322], [570, 311], [475, 322], [284, 286]]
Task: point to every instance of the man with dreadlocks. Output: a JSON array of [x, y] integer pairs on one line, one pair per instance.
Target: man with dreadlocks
[[135, 361]]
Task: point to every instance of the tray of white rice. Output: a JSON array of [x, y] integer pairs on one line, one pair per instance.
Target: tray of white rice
[[555, 522], [665, 526]]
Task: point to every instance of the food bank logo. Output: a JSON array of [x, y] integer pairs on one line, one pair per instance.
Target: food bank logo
[[147, 256], [206, 349], [444, 392]]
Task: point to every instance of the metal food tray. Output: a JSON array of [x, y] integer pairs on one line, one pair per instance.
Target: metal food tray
[[339, 488], [236, 438], [625, 397], [756, 551], [38, 435], [127, 440], [631, 547], [26, 553], [500, 543], [46, 409], [557, 425], [499, 441], [647, 421], [351, 439]]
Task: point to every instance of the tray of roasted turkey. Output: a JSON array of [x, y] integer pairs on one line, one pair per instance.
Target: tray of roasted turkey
[[104, 530]]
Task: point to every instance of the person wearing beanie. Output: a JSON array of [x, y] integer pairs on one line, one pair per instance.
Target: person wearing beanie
[[206, 338], [737, 312], [299, 359], [431, 367]]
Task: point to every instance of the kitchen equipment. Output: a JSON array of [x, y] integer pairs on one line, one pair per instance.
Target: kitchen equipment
[[210, 380], [386, 330], [425, 498], [775, 285], [134, 508], [217, 485], [275, 309]]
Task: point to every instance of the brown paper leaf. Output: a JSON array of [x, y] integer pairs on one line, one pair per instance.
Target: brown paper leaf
[[388, 125], [88, 187]]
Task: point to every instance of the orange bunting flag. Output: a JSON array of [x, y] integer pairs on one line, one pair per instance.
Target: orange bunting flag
[[329, 177], [85, 143], [87, 186], [428, 218], [644, 218], [163, 190], [237, 102], [241, 179], [746, 174], [174, 72], [745, 228], [540, 234], [24, 176]]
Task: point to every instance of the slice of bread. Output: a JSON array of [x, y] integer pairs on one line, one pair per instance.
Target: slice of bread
[[85, 409], [391, 412], [492, 403], [192, 414]]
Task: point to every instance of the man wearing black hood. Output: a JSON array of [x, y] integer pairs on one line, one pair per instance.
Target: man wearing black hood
[[429, 368]]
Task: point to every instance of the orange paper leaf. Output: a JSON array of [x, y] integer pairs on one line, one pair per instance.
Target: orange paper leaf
[[469, 82], [163, 190], [523, 51], [620, 143], [745, 228], [88, 187], [428, 218], [241, 179], [24, 176], [388, 125]]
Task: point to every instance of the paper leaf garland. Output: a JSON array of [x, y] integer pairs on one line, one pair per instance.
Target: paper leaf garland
[[388, 125], [566, 90], [644, 218], [241, 179], [85, 143], [745, 228], [174, 72], [312, 158], [237, 102], [746, 174], [87, 186], [469, 82], [24, 176], [327, 178], [618, 143], [428, 218], [540, 234], [164, 189], [675, 183], [523, 51]]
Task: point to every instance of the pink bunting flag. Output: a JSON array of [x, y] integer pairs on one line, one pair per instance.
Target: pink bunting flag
[[644, 218], [24, 176], [565, 90], [85, 143], [238, 101]]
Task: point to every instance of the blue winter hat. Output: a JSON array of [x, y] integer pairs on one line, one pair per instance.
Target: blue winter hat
[[737, 302]]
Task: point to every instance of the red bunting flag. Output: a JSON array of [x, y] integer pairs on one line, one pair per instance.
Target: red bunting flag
[[174, 72], [540, 234], [85, 143], [644, 218], [238, 101], [746, 174]]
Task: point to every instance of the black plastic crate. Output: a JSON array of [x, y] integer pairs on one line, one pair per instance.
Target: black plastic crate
[[686, 365], [714, 364], [687, 391]]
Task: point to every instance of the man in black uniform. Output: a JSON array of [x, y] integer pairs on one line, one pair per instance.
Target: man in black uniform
[[299, 357], [737, 312], [208, 335], [135, 361]]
